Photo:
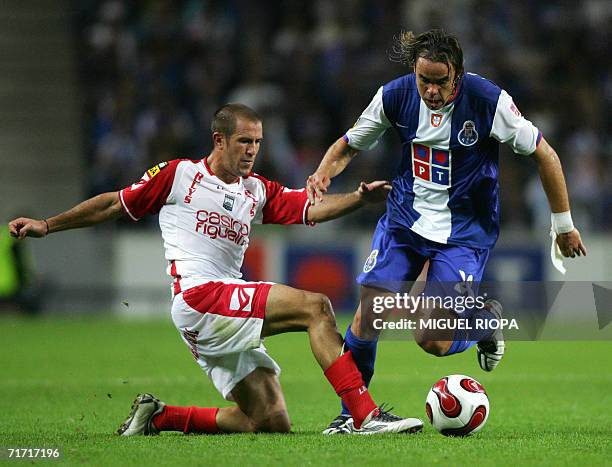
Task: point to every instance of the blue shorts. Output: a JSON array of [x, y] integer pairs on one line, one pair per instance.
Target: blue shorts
[[398, 256]]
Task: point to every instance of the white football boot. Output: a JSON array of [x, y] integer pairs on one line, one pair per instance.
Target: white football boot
[[383, 421], [341, 425], [491, 351], [139, 422]]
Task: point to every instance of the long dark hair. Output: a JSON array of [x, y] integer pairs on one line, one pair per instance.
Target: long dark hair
[[435, 45]]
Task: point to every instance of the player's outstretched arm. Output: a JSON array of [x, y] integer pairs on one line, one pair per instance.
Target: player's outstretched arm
[[93, 211], [553, 181], [334, 162], [340, 205]]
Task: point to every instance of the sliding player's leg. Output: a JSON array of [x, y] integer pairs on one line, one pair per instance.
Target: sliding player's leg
[[260, 407], [361, 339], [261, 401], [252, 311], [290, 309], [221, 322]]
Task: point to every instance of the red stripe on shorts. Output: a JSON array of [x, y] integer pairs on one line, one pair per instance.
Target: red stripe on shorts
[[246, 300], [177, 278]]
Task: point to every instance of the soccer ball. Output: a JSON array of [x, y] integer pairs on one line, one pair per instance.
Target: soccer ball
[[457, 405]]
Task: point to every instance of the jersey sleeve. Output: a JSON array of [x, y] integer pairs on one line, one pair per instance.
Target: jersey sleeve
[[151, 192], [370, 125], [283, 205], [510, 127]]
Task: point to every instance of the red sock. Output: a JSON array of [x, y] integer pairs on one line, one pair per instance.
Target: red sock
[[348, 383], [187, 419]]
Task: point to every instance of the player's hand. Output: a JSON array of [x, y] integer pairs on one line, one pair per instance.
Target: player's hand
[[316, 185], [374, 192], [23, 227], [571, 244]]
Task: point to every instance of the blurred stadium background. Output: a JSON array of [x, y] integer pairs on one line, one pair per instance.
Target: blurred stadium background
[[95, 92]]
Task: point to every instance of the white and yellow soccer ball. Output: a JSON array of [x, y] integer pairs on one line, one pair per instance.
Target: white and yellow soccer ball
[[457, 405]]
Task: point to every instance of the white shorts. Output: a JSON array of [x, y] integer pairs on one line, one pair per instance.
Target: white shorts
[[221, 322]]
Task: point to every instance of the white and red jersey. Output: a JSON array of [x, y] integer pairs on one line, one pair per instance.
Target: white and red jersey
[[206, 222]]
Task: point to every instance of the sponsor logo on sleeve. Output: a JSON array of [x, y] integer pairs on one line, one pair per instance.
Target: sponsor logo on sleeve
[[153, 171], [514, 109]]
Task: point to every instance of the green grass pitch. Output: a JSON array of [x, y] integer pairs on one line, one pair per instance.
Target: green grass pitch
[[69, 382]]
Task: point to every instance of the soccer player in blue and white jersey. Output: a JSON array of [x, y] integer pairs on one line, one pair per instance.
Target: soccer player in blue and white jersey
[[444, 206]]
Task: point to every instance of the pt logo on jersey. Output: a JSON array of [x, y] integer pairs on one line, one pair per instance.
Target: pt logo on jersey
[[468, 135], [242, 298], [436, 119], [153, 171], [431, 164], [228, 202]]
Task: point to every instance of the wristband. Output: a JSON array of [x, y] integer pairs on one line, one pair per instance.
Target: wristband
[[562, 222], [47, 224]]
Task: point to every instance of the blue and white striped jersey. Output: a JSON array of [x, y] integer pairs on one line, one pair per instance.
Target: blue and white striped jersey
[[446, 189]]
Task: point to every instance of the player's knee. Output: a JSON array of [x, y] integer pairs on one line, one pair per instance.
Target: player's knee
[[275, 422], [437, 348], [320, 309]]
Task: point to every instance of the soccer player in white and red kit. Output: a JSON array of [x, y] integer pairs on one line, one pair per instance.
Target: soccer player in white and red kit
[[206, 210]]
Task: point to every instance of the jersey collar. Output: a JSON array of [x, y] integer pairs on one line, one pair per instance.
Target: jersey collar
[[207, 167], [212, 174]]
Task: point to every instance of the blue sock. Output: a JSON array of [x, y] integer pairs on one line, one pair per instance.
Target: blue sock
[[460, 344], [364, 354], [466, 338]]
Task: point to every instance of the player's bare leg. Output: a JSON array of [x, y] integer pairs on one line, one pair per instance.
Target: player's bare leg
[[363, 321], [261, 405], [289, 309], [435, 342], [490, 350]]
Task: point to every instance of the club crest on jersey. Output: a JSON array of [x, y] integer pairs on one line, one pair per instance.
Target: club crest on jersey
[[468, 135], [228, 202], [431, 164], [436, 119], [153, 171], [371, 261]]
